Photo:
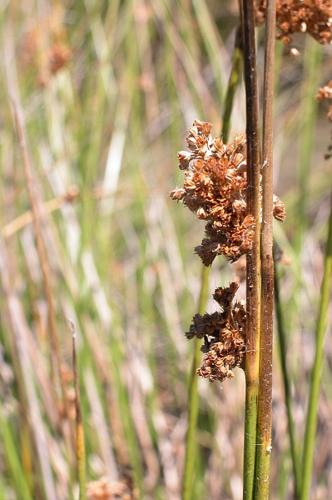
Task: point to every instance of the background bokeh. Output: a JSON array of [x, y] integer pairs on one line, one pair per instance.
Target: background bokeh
[[108, 91]]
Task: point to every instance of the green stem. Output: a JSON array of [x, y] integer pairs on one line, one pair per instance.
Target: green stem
[[286, 383], [311, 77], [233, 84], [193, 400], [316, 373], [306, 136], [189, 462], [13, 459], [264, 415], [253, 291]]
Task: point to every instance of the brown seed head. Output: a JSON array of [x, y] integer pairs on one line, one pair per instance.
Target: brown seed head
[[300, 16], [224, 336], [214, 188], [325, 93], [279, 211], [103, 489]]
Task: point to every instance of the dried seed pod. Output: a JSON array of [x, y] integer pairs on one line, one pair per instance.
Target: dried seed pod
[[325, 94], [223, 331], [300, 16], [214, 188], [279, 211]]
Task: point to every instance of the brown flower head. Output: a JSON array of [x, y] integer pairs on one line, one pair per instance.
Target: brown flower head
[[325, 94], [294, 16], [44, 47], [223, 333], [279, 211], [214, 188], [103, 489]]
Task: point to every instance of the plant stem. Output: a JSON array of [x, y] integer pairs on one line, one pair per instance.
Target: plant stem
[[264, 415], [233, 84], [253, 257], [80, 442], [193, 396], [311, 78], [189, 462], [316, 373], [286, 382]]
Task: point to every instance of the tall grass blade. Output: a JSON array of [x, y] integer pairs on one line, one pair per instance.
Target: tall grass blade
[[13, 459], [311, 77], [316, 373], [286, 381], [193, 399]]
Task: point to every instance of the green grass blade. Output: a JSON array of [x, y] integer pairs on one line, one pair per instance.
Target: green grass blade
[[193, 399], [312, 62], [316, 374], [286, 381], [13, 460]]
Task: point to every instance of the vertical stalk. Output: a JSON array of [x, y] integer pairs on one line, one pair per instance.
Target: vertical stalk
[[189, 462], [316, 373], [80, 443], [253, 257], [233, 84], [286, 382], [311, 78], [264, 415], [193, 400]]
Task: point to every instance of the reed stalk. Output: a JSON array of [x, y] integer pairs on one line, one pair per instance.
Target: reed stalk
[[264, 415], [306, 137], [233, 84], [80, 442], [286, 382], [316, 373], [253, 283], [193, 399]]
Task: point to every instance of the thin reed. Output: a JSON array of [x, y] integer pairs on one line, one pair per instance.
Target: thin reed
[[253, 283], [316, 372], [264, 416]]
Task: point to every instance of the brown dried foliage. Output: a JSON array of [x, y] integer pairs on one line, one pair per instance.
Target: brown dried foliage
[[104, 489], [214, 188], [295, 16], [325, 93], [45, 47], [224, 336]]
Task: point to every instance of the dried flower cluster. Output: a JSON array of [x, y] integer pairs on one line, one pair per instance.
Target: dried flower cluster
[[214, 188], [103, 489], [45, 47], [325, 93], [224, 335], [294, 16]]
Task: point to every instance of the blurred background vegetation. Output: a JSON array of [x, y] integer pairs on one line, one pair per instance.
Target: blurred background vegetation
[[108, 90]]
